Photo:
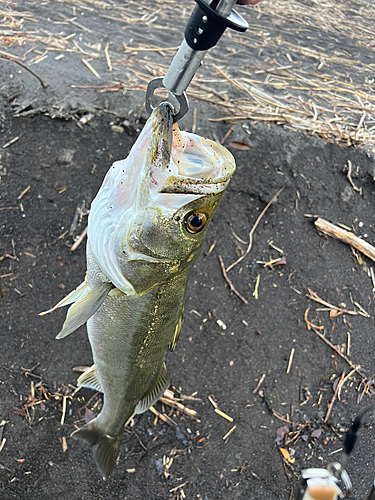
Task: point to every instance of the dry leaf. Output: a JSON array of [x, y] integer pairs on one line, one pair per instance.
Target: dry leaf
[[89, 415], [281, 433], [64, 444], [241, 146], [317, 433], [285, 453]]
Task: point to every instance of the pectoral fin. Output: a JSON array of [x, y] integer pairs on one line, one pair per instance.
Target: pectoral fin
[[84, 308], [177, 332], [159, 387], [74, 296], [90, 380]]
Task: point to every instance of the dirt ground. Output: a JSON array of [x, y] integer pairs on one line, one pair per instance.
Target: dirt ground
[[236, 353]]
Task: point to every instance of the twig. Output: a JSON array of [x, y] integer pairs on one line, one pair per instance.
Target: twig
[[253, 229], [345, 236], [140, 440], [256, 289], [229, 281], [290, 360], [172, 403], [24, 67], [259, 383], [162, 417], [229, 433], [356, 368], [349, 177], [12, 141], [364, 313], [64, 410], [212, 401], [24, 192], [222, 414], [230, 130], [310, 325], [343, 382], [93, 70], [4, 440], [280, 417], [79, 240], [330, 406], [313, 296], [107, 57], [73, 21]]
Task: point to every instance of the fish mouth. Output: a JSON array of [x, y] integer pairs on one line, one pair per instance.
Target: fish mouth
[[182, 162], [166, 169]]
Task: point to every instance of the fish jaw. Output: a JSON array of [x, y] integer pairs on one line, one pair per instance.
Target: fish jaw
[[167, 174]]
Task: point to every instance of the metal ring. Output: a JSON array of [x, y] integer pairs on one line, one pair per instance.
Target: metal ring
[[181, 99]]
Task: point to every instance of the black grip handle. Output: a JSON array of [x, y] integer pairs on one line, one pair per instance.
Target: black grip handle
[[352, 434], [206, 26]]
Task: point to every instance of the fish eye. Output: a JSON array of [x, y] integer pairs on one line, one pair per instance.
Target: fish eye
[[196, 222]]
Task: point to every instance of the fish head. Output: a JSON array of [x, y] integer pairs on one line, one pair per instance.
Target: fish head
[[151, 215]]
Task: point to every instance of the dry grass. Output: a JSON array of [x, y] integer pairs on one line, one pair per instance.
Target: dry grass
[[307, 65]]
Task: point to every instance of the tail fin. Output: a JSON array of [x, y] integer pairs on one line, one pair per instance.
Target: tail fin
[[105, 448]]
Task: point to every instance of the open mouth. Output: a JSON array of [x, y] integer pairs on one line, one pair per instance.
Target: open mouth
[[185, 163], [166, 168]]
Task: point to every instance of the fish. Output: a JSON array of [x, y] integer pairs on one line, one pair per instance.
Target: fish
[[146, 228]]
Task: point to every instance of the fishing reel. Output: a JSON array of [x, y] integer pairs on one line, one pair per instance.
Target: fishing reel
[[333, 482]]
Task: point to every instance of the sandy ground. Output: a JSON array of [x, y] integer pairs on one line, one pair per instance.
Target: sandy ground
[[227, 347]]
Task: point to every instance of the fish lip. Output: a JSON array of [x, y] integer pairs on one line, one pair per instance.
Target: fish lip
[[194, 187], [162, 128], [166, 142], [164, 110]]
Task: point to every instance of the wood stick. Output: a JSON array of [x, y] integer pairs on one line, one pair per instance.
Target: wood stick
[[79, 241], [355, 368], [345, 236], [330, 406], [3, 56], [231, 286], [253, 229]]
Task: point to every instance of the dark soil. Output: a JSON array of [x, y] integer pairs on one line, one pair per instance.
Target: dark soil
[[38, 269], [226, 346]]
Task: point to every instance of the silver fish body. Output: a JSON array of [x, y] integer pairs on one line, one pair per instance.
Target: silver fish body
[[146, 229]]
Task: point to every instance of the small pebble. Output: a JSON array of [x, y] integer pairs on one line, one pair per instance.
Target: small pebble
[[221, 324], [117, 128]]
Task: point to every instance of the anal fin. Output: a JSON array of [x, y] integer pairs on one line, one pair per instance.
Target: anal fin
[[90, 380], [160, 385]]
